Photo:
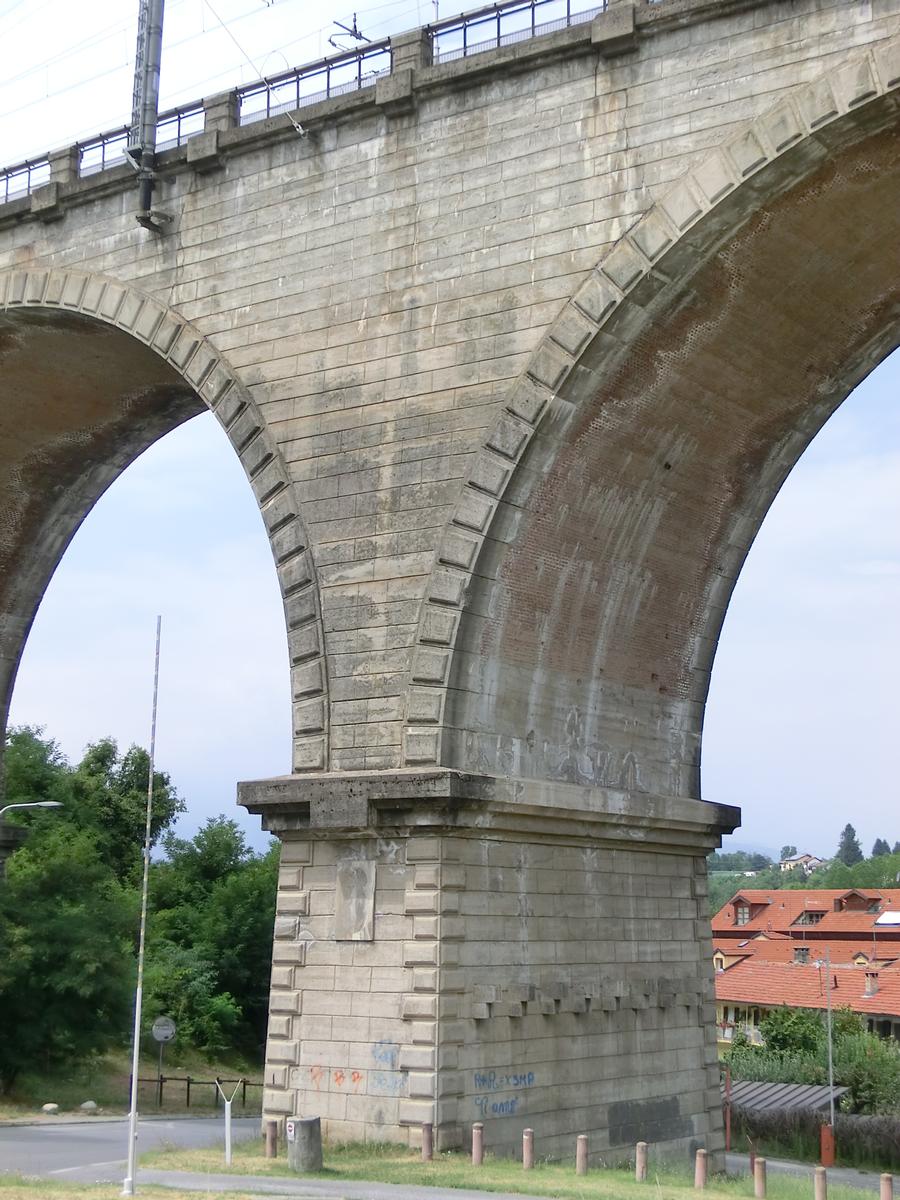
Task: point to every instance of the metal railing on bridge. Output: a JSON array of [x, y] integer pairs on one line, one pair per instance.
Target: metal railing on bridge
[[504, 24], [173, 128], [322, 80], [23, 178], [500, 24]]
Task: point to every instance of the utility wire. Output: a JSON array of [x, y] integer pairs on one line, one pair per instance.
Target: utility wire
[[296, 124]]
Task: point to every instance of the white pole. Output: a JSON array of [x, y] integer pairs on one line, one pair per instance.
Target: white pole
[[128, 1184], [228, 1100]]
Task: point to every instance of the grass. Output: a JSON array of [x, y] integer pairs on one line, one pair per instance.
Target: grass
[[13, 1187], [105, 1080], [398, 1165]]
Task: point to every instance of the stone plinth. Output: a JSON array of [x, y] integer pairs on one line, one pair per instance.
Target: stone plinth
[[452, 948]]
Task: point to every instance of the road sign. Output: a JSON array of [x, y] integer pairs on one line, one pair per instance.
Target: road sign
[[164, 1029]]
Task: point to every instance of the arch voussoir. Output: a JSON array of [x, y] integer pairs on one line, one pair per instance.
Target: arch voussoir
[[675, 237], [197, 361]]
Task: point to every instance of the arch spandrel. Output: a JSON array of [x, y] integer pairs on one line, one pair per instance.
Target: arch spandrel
[[93, 373], [576, 603]]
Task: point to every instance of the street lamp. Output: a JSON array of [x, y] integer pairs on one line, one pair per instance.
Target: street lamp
[[32, 804]]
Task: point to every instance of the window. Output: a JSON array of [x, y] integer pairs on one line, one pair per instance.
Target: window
[[809, 918], [741, 914]]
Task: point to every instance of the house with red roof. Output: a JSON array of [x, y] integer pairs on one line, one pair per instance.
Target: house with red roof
[[802, 948]]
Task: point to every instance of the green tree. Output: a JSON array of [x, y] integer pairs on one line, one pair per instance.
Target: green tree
[[848, 851], [788, 852], [792, 1031], [66, 979], [110, 797], [213, 902], [880, 847]]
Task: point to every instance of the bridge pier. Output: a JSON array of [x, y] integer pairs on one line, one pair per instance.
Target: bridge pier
[[452, 948]]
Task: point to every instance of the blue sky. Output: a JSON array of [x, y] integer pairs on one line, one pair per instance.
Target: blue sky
[[802, 715]]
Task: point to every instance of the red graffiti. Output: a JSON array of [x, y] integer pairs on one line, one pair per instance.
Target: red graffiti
[[339, 1078], [316, 1074], [356, 1079]]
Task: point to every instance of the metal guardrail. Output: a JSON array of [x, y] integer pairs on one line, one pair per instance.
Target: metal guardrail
[[504, 24], [322, 80], [500, 24], [173, 128], [23, 178]]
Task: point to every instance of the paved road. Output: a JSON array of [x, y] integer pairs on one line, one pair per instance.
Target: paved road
[[95, 1151]]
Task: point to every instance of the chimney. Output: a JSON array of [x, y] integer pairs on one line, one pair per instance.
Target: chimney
[[871, 983]]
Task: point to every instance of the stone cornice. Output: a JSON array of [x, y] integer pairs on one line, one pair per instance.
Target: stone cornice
[[484, 806]]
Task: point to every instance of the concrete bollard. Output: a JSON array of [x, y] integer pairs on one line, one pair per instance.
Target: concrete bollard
[[759, 1178], [304, 1143], [640, 1162], [700, 1169], [427, 1142], [527, 1149], [477, 1144], [820, 1184], [271, 1139], [886, 1187], [581, 1154]]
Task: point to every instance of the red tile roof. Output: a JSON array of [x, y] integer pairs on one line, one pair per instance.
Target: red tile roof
[[782, 950], [773, 984], [776, 911]]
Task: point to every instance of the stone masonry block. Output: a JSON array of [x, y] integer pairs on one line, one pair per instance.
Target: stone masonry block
[[747, 153], [447, 587], [597, 297], [427, 875], [681, 205], [887, 62], [423, 849], [714, 177], [652, 235], [489, 474], [420, 954], [856, 83], [624, 265], [424, 707], [613, 31], [285, 1002], [572, 330], [783, 126], [550, 365], [818, 104]]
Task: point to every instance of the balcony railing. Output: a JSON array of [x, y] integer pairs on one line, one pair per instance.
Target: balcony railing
[[320, 81], [505, 24]]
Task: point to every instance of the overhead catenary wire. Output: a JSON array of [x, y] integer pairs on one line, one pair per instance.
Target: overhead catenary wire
[[52, 111]]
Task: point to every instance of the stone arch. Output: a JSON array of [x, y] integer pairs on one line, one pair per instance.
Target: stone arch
[[193, 375], [647, 276]]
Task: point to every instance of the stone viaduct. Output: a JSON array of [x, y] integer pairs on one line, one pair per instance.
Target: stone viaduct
[[516, 348]]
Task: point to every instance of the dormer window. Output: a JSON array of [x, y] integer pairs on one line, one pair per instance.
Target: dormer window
[[742, 913], [809, 918]]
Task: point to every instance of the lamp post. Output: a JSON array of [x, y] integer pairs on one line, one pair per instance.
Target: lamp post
[[32, 804]]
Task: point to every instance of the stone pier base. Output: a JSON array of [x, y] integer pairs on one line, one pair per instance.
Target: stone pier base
[[452, 948]]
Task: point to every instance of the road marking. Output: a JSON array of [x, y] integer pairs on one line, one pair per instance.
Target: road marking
[[115, 1162]]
